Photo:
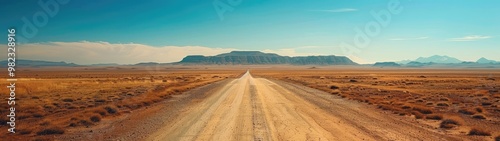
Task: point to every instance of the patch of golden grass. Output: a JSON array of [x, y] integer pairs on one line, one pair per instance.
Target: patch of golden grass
[[451, 121], [84, 98], [420, 92]]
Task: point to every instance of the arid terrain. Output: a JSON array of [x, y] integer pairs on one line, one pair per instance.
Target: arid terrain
[[57, 101], [255, 103], [457, 102]]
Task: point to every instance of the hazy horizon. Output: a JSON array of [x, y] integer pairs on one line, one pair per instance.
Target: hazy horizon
[[127, 32]]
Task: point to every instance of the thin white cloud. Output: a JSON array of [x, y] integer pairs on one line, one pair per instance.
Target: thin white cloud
[[470, 38], [103, 52], [406, 39], [338, 10]]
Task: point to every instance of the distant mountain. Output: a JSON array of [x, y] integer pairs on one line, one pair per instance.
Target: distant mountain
[[483, 60], [404, 61], [432, 59], [37, 63], [386, 64], [106, 64], [418, 64], [257, 57], [438, 59], [146, 64]]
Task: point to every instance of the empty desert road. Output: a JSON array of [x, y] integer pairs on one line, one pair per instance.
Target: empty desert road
[[251, 108]]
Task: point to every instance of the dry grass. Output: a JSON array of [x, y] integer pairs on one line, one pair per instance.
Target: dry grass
[[467, 111], [423, 109], [451, 121], [51, 130], [434, 117], [480, 109], [479, 132], [418, 115], [458, 97], [80, 98], [479, 116], [95, 118]]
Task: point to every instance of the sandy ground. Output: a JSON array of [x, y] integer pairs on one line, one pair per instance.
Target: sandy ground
[[251, 108]]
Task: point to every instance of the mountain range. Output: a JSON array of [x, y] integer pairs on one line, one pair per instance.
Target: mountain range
[[38, 63], [257, 57], [444, 60], [483, 60]]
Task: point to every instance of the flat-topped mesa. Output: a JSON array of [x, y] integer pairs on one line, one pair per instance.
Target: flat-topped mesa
[[257, 57]]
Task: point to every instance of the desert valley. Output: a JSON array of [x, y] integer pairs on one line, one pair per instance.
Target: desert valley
[[214, 98]]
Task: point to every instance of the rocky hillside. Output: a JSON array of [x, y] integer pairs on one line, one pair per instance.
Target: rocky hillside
[[257, 57]]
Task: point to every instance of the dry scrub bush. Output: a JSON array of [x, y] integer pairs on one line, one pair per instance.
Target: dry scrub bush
[[51, 130], [405, 107], [95, 118], [386, 107], [111, 109], [333, 87], [479, 132], [479, 116], [443, 104], [68, 100], [434, 117], [451, 121], [101, 112], [422, 109], [418, 115], [479, 109], [467, 111]]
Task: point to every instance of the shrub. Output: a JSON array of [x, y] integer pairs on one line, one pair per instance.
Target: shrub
[[100, 100], [68, 100], [85, 122], [418, 115], [434, 117], [405, 107], [95, 118], [466, 111], [486, 103], [450, 122], [442, 104], [479, 109], [102, 112], [111, 109], [50, 131], [385, 107], [37, 115], [25, 131], [422, 109], [333, 87], [479, 132], [478, 117]]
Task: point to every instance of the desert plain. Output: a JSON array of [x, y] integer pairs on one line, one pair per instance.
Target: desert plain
[[247, 102]]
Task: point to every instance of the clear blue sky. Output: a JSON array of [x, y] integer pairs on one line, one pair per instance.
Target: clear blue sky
[[465, 29]]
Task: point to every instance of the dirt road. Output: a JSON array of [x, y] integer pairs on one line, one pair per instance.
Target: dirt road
[[259, 109]]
